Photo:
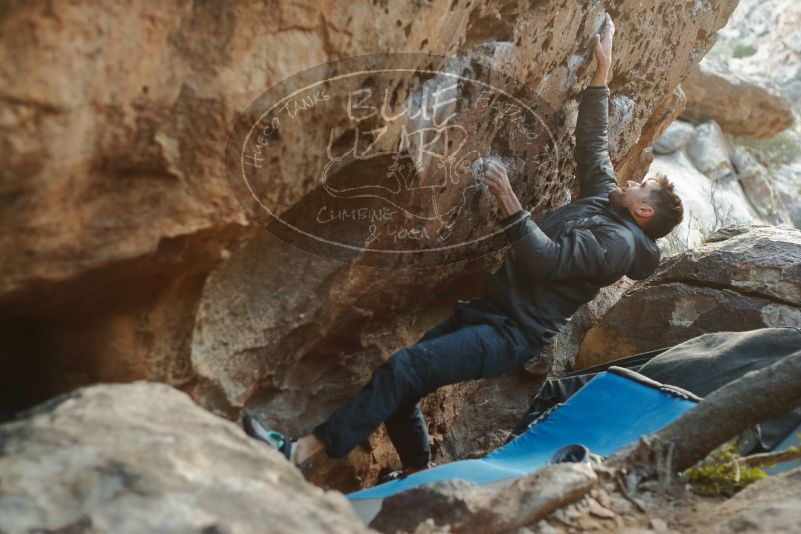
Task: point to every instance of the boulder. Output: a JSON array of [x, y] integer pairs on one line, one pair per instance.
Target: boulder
[[635, 165], [126, 255], [142, 457], [710, 151], [463, 506], [759, 43], [742, 105], [674, 137], [742, 278], [759, 187]]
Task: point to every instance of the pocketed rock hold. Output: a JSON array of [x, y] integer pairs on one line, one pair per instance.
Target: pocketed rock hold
[[743, 278], [142, 457], [742, 105]]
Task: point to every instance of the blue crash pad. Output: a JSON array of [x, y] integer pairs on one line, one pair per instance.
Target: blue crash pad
[[611, 411]]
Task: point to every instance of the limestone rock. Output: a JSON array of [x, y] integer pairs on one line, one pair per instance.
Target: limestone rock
[[142, 457], [745, 277], [759, 260], [741, 105], [674, 137]]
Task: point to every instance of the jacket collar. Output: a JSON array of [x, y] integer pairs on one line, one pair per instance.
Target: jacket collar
[[648, 254]]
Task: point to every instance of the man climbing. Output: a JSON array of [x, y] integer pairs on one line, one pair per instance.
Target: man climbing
[[552, 267]]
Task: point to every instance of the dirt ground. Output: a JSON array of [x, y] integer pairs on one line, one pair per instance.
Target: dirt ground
[[772, 505]]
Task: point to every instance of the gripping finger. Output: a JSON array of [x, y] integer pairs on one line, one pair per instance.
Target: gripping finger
[[609, 25]]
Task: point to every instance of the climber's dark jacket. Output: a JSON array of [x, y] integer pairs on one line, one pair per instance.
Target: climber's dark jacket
[[560, 262]]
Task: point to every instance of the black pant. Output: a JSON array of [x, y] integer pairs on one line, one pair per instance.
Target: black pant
[[455, 350]]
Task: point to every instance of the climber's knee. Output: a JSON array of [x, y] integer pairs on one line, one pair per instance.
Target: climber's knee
[[404, 368]]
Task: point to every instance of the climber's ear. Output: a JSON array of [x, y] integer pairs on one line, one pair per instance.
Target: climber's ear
[[644, 211]]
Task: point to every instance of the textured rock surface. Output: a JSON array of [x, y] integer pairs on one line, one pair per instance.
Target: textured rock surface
[[465, 507], [115, 207], [142, 457], [769, 505], [743, 278], [741, 105]]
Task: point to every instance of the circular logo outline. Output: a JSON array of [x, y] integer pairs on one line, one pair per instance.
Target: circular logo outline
[[241, 167]]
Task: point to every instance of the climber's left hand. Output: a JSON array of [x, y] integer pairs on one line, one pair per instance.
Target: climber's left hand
[[497, 180]]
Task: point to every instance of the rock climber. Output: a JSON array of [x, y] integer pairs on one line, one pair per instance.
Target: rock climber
[[552, 267]]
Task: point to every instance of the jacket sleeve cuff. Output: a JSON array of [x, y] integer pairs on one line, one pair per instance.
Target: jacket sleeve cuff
[[597, 89], [514, 225]]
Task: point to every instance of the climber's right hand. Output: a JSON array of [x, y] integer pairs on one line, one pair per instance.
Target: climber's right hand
[[602, 44]]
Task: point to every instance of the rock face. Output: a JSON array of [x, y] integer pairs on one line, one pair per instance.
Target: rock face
[[742, 106], [122, 243], [742, 279], [142, 457]]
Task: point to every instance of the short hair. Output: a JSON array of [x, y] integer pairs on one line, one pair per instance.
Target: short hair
[[668, 210]]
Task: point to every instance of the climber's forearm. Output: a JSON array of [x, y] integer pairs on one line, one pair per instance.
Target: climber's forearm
[[508, 203], [600, 77], [497, 181]]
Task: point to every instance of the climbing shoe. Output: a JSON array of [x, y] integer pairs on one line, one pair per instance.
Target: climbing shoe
[[257, 428]]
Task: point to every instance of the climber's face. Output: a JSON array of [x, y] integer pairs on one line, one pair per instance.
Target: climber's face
[[636, 196]]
